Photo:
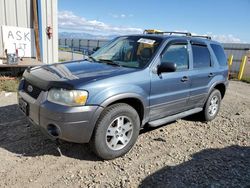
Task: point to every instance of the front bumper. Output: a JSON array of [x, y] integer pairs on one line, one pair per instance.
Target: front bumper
[[73, 124]]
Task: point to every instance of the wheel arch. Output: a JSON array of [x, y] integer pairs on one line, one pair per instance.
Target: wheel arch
[[131, 99], [222, 88]]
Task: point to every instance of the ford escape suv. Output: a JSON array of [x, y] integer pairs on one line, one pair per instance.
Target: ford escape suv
[[136, 80]]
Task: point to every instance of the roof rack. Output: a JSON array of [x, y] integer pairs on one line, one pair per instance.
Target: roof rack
[[154, 31], [176, 32], [202, 36]]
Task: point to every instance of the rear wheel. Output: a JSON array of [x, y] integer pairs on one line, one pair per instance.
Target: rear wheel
[[212, 105], [116, 131]]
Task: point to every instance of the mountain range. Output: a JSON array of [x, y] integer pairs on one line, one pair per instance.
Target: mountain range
[[71, 35]]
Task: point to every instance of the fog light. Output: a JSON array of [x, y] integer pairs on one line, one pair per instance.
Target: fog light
[[53, 130]]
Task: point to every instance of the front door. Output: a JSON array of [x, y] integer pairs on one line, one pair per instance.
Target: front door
[[170, 91]]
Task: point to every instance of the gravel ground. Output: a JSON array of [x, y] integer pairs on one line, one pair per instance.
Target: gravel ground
[[67, 56], [184, 153]]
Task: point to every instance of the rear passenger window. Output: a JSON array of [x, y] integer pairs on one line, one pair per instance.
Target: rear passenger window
[[177, 53], [220, 54], [201, 56]]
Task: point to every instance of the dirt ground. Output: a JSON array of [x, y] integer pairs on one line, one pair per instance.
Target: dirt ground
[[186, 153]]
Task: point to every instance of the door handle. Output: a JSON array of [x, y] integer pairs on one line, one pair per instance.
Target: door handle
[[211, 75], [184, 79]]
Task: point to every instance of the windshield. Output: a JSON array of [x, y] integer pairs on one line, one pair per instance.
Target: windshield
[[131, 51]]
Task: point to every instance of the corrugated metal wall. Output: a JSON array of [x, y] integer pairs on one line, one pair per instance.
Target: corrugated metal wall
[[238, 51], [18, 13], [48, 11]]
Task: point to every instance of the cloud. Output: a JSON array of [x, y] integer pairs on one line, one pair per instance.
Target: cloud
[[69, 21], [223, 38], [121, 15], [115, 15], [229, 38]]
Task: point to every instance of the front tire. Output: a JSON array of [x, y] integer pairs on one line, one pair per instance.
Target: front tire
[[116, 131], [212, 105]]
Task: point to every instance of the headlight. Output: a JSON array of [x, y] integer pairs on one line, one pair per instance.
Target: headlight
[[68, 97]]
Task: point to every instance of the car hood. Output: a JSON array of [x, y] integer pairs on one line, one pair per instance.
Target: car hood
[[69, 74]]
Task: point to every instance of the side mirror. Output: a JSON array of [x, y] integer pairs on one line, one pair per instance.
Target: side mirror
[[166, 67]]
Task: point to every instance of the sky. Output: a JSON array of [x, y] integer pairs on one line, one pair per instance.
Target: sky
[[224, 20]]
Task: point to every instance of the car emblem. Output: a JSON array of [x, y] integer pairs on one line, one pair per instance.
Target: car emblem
[[30, 88]]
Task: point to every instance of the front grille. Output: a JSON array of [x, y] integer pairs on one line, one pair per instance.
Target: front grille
[[32, 90]]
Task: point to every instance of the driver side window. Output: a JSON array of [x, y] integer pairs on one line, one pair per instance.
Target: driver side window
[[177, 53]]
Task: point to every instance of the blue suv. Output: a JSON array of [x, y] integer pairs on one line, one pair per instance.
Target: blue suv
[[133, 81]]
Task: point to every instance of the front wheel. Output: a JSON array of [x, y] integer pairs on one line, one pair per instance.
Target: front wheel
[[116, 131], [212, 105]]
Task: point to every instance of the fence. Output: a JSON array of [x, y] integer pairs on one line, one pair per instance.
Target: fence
[[85, 46], [238, 51]]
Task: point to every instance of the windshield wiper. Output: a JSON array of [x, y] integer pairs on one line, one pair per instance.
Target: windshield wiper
[[110, 62], [91, 58]]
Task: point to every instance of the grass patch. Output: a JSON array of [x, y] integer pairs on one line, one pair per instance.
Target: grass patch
[[9, 84], [64, 49], [62, 60], [247, 80]]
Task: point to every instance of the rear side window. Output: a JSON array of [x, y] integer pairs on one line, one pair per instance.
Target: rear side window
[[201, 56], [220, 54]]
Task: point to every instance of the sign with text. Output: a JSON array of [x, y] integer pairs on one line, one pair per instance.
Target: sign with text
[[19, 39]]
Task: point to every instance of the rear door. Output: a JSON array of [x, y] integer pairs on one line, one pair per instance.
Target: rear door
[[201, 74], [170, 91]]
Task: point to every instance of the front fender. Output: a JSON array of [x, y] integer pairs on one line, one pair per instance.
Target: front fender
[[116, 93], [112, 94]]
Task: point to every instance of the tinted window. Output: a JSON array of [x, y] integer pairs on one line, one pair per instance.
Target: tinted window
[[201, 56], [177, 53], [219, 53]]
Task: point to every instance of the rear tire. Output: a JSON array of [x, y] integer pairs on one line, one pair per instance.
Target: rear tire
[[116, 131], [212, 105]]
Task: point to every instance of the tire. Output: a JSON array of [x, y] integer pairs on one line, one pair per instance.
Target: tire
[[212, 105], [116, 131]]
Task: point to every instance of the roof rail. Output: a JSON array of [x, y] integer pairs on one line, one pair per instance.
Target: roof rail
[[202, 36], [154, 31], [177, 32]]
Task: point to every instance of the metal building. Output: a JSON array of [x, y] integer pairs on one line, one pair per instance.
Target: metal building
[[41, 17], [238, 50]]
